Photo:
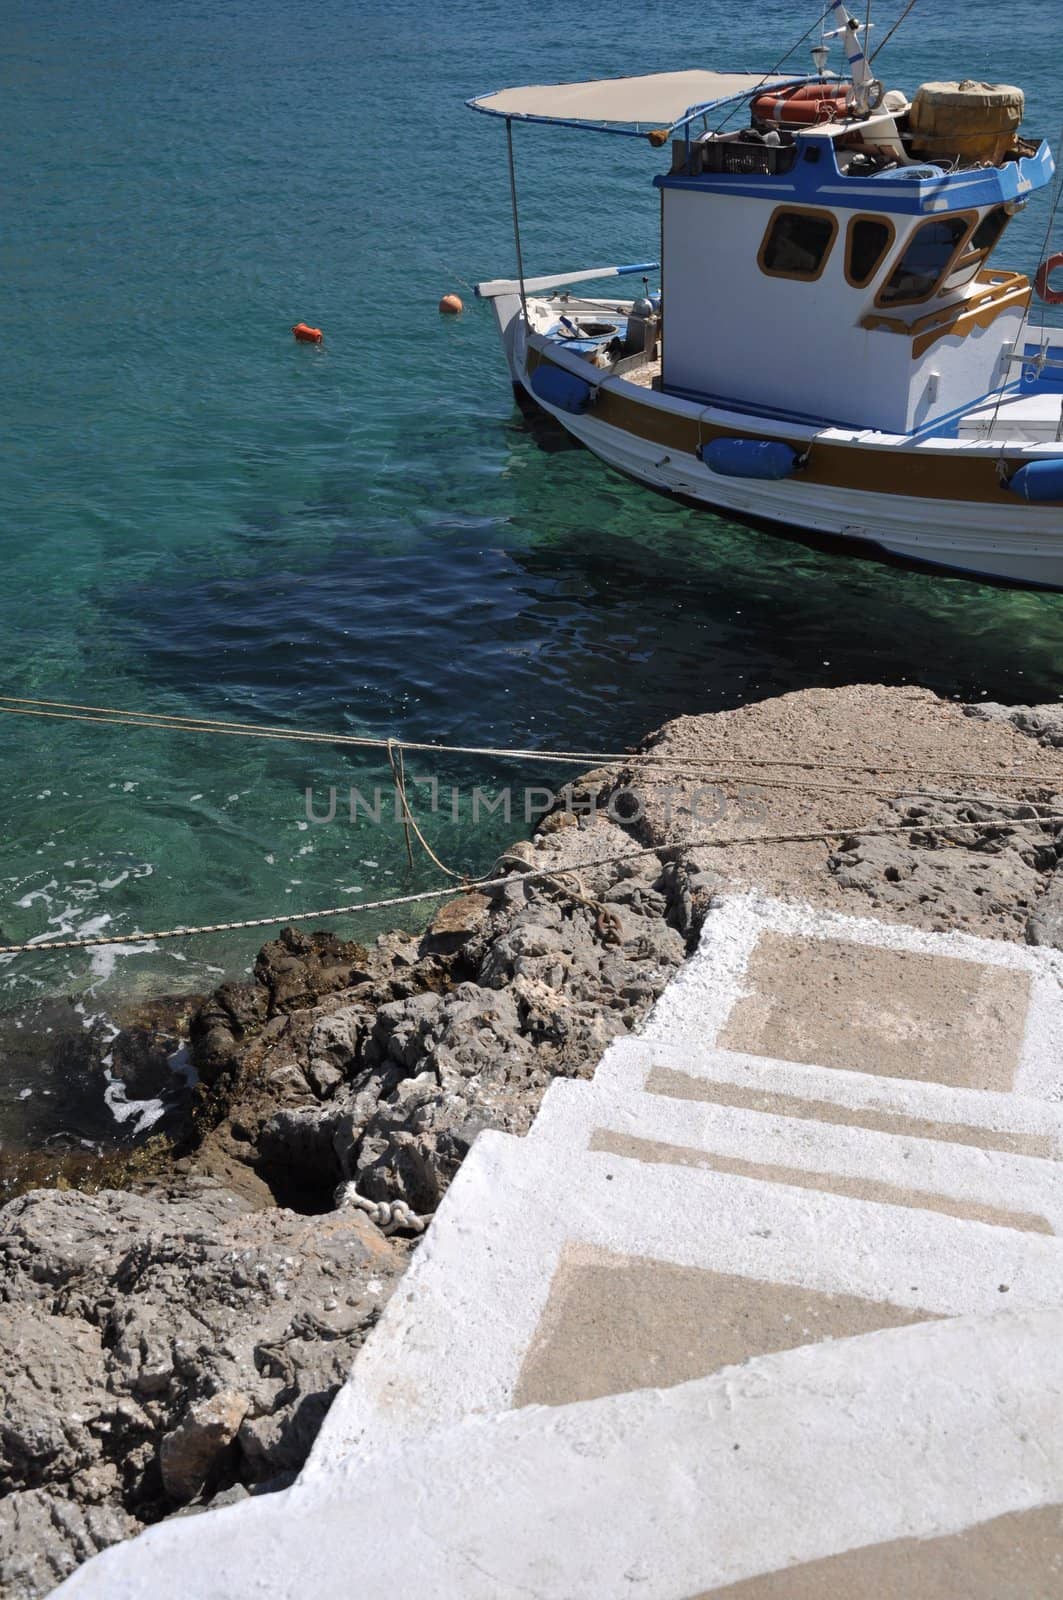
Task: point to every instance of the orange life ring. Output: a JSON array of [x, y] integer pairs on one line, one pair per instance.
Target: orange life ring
[[810, 103], [1051, 297]]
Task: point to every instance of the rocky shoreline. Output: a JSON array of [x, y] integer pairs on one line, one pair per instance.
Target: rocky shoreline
[[176, 1342]]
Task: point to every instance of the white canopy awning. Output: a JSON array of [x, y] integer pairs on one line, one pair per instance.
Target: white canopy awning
[[658, 100]]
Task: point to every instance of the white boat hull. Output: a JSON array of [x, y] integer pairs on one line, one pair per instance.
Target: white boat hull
[[954, 534], [985, 531]]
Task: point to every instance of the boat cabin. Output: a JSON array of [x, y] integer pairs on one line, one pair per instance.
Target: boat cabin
[[835, 268]]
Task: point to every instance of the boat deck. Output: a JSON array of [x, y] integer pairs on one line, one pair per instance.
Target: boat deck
[[648, 376], [595, 330], [1029, 418], [1024, 418]]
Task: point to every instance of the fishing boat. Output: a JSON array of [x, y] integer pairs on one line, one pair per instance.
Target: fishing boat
[[832, 348]]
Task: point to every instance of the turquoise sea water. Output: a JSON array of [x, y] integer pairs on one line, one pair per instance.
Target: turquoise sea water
[[199, 516]]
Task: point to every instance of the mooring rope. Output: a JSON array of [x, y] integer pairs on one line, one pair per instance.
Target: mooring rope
[[112, 716], [750, 769], [398, 772], [555, 874]]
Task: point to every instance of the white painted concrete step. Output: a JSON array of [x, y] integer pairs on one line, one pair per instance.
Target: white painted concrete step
[[1017, 1191], [924, 1461], [556, 1274], [784, 982], [983, 1119]]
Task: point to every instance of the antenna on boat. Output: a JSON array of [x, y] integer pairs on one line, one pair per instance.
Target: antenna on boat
[[849, 31]]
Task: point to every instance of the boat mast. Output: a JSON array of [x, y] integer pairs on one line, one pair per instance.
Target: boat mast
[[849, 31]]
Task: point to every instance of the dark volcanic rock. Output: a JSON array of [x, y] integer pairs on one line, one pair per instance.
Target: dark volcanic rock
[[500, 996], [291, 973], [299, 968]]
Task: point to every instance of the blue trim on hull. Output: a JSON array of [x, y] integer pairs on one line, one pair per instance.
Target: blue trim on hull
[[943, 427], [766, 414]]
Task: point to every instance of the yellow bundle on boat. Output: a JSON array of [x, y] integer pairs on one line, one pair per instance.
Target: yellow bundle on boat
[[969, 122]]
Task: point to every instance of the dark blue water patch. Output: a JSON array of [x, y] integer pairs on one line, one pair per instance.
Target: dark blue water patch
[[603, 612]]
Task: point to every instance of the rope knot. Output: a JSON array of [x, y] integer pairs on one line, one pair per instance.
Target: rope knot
[[390, 1216]]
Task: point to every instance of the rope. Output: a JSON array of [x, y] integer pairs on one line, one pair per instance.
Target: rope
[[228, 927], [607, 923], [399, 775], [111, 716], [409, 821], [771, 72], [444, 891], [909, 8], [389, 1215]]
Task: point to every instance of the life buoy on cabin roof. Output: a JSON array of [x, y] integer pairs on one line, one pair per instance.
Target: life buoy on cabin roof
[[810, 103], [1050, 296]]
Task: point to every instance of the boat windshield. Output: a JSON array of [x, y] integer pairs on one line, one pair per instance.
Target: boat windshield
[[924, 261]]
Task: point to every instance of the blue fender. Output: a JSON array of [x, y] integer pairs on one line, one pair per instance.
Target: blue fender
[[750, 458], [562, 390], [1039, 480]]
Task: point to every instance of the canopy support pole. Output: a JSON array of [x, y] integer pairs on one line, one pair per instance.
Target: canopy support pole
[[516, 219]]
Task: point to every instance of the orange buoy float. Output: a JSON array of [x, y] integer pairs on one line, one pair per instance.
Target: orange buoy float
[[1050, 296], [811, 103], [307, 335], [451, 305]]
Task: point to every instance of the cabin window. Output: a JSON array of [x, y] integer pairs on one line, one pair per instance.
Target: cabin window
[[797, 243], [989, 230], [865, 247], [925, 260], [978, 247]]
